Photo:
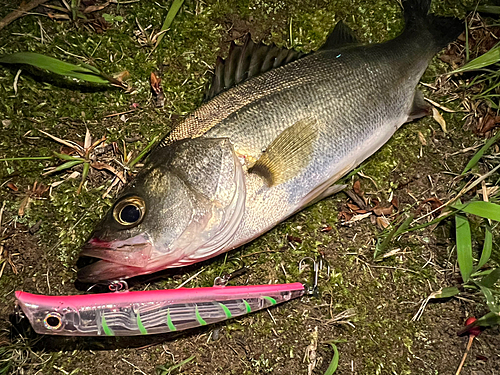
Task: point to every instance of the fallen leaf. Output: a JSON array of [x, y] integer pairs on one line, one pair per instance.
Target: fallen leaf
[[382, 222], [345, 216], [395, 203], [353, 207], [293, 239], [12, 186], [95, 8], [357, 218], [121, 76], [383, 211], [439, 119], [488, 123], [357, 188]]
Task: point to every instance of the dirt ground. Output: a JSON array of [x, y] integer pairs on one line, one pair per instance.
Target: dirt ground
[[364, 306]]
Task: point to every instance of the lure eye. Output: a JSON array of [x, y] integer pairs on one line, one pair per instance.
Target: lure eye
[[52, 320], [129, 211]]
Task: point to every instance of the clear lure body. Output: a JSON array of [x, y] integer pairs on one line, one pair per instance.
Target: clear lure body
[[128, 313]]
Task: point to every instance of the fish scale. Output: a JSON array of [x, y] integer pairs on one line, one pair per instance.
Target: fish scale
[[269, 146]]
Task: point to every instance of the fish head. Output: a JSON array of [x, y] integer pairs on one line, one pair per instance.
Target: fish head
[[176, 212]]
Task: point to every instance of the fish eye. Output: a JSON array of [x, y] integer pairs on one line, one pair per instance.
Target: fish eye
[[129, 211], [52, 320]]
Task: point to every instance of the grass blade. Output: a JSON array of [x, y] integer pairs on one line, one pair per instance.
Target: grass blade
[[446, 292], [489, 320], [464, 246], [335, 361], [395, 232], [491, 9], [166, 371], [486, 210], [475, 159], [490, 299], [85, 173], [65, 156], [28, 158], [489, 280], [172, 12], [489, 58], [143, 152], [56, 66], [67, 165], [488, 245]]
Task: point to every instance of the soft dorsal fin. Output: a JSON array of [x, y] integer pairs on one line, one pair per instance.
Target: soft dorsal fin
[[341, 36], [289, 153], [247, 61]]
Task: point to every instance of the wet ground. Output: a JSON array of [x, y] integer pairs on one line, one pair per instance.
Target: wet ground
[[365, 307]]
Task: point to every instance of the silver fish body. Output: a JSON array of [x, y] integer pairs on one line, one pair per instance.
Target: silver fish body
[[264, 149]]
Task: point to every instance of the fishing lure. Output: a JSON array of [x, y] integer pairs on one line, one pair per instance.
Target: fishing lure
[[125, 313]]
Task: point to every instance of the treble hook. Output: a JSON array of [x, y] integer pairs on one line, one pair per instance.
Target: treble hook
[[113, 286], [317, 266]]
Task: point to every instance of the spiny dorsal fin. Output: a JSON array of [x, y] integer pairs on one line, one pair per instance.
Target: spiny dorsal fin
[[288, 154], [247, 61], [341, 36]]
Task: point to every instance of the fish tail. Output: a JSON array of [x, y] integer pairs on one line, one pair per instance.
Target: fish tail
[[439, 31]]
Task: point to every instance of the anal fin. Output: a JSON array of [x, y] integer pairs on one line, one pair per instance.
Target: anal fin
[[288, 154]]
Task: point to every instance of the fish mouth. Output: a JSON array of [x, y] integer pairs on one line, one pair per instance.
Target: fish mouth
[[117, 259]]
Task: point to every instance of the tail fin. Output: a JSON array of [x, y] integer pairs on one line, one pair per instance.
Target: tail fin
[[441, 30]]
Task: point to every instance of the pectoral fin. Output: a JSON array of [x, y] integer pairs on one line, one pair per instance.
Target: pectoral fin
[[289, 153]]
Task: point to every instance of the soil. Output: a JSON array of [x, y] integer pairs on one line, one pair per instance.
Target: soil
[[364, 306]]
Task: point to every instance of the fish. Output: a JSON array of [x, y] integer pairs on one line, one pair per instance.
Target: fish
[[278, 129]]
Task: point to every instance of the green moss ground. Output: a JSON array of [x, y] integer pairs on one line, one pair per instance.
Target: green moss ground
[[381, 339]]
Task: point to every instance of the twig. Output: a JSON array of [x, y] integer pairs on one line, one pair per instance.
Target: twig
[[20, 12]]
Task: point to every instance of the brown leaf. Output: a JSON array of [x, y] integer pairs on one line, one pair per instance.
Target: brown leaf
[[386, 211], [12, 186], [439, 119], [488, 123], [121, 76], [293, 239], [395, 203], [352, 206], [95, 8], [435, 202], [58, 16], [357, 188], [155, 83], [345, 216], [24, 205], [382, 222], [326, 228]]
